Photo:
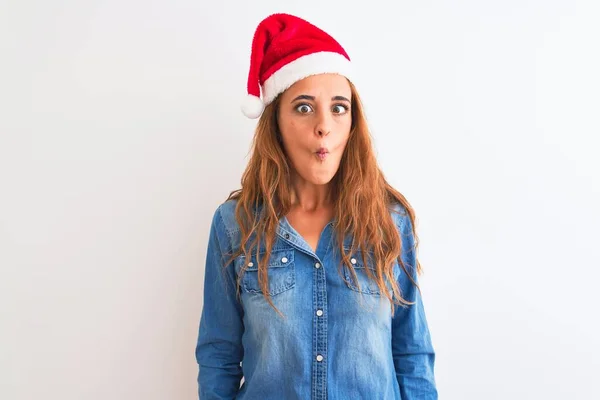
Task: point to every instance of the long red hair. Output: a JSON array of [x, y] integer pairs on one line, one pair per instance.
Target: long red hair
[[362, 203]]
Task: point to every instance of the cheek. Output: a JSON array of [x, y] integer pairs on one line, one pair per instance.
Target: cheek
[[346, 125], [344, 130], [295, 137]]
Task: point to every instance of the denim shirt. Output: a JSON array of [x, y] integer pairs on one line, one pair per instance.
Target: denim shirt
[[337, 342]]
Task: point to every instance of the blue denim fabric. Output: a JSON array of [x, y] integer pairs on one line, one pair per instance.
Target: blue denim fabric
[[337, 342]]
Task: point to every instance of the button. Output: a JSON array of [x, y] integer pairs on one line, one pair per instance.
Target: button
[[317, 265], [251, 264], [353, 260], [319, 358], [287, 235], [319, 312], [284, 260]]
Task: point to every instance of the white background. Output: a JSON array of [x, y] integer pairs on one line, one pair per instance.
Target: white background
[[120, 133]]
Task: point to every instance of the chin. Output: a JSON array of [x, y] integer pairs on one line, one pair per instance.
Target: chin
[[317, 176], [321, 179]]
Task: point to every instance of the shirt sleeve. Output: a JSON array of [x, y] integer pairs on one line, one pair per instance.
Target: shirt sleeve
[[219, 348], [412, 348]]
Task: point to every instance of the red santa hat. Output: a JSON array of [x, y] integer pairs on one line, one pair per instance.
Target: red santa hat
[[286, 49]]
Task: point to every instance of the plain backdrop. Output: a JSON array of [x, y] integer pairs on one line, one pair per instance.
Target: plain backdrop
[[121, 132]]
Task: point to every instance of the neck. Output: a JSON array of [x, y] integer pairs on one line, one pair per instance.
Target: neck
[[309, 196]]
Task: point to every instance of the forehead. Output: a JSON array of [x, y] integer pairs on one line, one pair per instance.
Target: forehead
[[326, 85]]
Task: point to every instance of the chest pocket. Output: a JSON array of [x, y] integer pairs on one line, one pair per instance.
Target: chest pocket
[[280, 270], [367, 285]]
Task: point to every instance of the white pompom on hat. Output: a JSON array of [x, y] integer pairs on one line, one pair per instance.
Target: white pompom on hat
[[252, 106], [286, 49]]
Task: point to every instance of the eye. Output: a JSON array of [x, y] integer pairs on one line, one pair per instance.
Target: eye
[[340, 109], [303, 108]]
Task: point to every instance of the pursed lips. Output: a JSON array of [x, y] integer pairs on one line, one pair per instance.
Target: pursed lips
[[322, 153]]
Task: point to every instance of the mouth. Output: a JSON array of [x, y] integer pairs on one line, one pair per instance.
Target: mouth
[[322, 153]]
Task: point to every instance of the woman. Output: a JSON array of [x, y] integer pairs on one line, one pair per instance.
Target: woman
[[311, 271]]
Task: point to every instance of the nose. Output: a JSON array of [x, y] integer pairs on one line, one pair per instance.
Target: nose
[[323, 125], [322, 132]]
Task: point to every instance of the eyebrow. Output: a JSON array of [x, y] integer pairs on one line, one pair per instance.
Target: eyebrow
[[312, 98]]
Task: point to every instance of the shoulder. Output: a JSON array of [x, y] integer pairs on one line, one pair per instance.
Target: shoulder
[[405, 225], [225, 222], [399, 215], [224, 217]]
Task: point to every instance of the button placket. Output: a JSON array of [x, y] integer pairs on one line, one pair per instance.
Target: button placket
[[320, 330]]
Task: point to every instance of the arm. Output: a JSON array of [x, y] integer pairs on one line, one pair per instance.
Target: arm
[[412, 348], [219, 348]]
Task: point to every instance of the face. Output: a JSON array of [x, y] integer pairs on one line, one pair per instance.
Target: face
[[314, 120]]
